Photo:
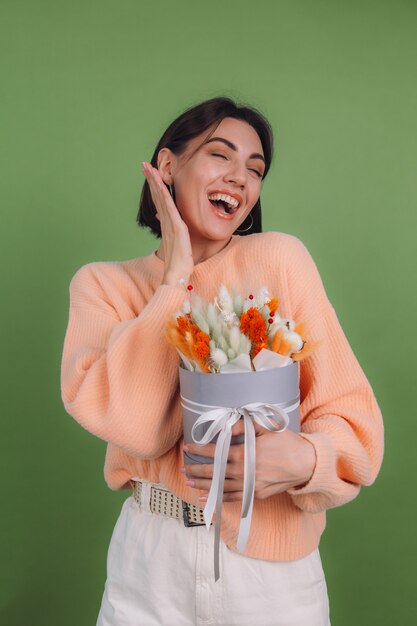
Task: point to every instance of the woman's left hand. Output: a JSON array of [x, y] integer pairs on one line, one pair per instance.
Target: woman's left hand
[[283, 460]]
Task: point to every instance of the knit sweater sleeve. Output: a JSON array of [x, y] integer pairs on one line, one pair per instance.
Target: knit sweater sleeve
[[339, 413], [119, 378]]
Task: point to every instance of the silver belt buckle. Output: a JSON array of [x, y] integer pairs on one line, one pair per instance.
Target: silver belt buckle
[[186, 516]]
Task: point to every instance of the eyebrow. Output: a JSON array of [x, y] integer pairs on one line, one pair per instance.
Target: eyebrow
[[229, 144]]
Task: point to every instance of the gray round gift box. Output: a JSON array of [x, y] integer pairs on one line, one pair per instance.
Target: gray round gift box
[[273, 386]]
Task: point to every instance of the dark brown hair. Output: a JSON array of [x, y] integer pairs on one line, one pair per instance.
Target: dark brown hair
[[192, 123]]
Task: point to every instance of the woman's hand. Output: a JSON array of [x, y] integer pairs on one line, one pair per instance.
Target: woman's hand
[[283, 460], [176, 243]]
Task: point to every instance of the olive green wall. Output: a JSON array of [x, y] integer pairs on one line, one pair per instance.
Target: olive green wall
[[87, 88]]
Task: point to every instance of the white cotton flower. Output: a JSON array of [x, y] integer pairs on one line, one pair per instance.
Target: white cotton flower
[[294, 340], [218, 357], [289, 324], [276, 325]]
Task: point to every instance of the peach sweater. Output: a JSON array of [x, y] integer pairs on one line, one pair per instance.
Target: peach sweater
[[119, 381]]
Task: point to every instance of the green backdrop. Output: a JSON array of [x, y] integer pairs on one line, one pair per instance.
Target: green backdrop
[[87, 88]]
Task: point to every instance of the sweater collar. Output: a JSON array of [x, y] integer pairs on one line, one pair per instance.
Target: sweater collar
[[156, 266]]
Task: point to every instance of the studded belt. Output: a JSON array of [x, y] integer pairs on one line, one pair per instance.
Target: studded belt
[[164, 502]]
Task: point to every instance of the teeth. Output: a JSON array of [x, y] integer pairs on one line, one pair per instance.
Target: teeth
[[232, 202]]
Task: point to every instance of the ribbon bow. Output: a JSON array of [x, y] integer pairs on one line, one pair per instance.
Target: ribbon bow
[[273, 417]]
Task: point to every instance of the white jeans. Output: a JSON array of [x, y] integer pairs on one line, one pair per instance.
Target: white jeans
[[160, 573]]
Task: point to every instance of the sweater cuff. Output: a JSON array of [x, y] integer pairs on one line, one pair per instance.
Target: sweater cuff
[[322, 479]]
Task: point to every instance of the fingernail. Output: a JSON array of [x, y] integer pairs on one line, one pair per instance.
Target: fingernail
[[182, 470], [185, 448], [190, 483], [203, 498]]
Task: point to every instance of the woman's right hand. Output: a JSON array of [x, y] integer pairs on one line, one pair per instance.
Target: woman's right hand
[[176, 242]]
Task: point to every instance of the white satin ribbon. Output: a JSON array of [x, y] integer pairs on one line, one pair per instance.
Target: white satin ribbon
[[273, 417]]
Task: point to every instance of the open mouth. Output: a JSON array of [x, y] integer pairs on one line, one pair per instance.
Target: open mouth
[[224, 203]]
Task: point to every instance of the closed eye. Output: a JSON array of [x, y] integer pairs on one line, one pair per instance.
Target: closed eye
[[223, 156]]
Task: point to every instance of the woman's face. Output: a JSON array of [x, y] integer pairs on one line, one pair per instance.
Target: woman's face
[[217, 187]]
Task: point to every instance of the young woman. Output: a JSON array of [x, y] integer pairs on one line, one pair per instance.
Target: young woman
[[201, 197]]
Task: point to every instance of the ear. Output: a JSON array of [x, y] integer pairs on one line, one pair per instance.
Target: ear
[[166, 163]]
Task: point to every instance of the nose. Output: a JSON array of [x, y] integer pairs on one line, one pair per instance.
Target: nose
[[236, 174]]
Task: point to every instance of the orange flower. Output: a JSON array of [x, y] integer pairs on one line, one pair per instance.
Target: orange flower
[[175, 338], [276, 342], [305, 351], [192, 341], [201, 350], [299, 329], [194, 330], [183, 324], [257, 347], [253, 325], [285, 348], [273, 305]]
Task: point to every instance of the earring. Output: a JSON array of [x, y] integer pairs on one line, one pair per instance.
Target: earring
[[246, 229]]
